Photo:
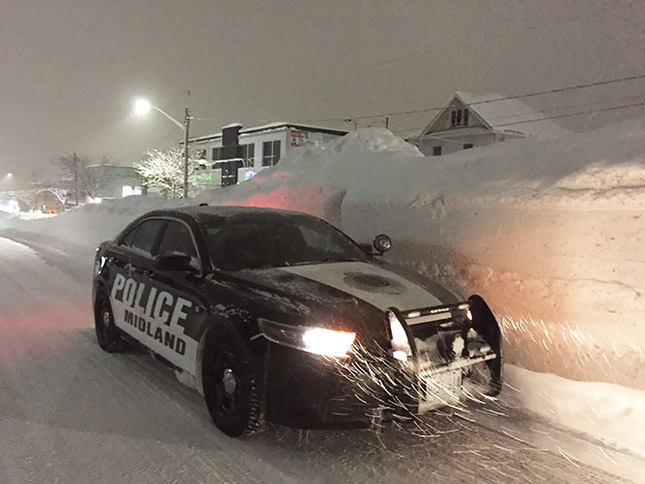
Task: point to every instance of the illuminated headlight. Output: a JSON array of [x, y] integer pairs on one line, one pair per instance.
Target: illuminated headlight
[[327, 341], [401, 349], [321, 341]]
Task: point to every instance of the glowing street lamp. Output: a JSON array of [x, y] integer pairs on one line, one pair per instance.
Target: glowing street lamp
[[142, 107], [9, 175]]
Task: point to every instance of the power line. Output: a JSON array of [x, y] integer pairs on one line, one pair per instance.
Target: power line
[[564, 107], [503, 98], [546, 118], [580, 113]]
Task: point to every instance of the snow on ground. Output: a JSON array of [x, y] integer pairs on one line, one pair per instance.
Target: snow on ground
[[607, 412], [70, 412], [549, 232]]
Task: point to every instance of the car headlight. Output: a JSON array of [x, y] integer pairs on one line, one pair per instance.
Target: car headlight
[[321, 341], [327, 342], [401, 349]]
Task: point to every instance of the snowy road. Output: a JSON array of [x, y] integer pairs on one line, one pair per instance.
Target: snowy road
[[72, 413]]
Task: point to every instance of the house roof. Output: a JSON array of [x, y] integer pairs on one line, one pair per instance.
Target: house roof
[[505, 115], [276, 126]]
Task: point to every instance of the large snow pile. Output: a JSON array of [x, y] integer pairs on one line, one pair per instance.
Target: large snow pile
[[549, 231], [607, 412]]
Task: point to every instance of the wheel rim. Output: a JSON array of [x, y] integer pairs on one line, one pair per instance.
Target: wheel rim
[[104, 320], [226, 383], [107, 317]]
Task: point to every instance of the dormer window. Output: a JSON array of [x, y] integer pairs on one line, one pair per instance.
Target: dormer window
[[458, 118]]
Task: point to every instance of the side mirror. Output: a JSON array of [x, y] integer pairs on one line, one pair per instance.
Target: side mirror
[[173, 261], [382, 243]]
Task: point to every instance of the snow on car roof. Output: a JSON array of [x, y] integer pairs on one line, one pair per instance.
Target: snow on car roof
[[226, 211]]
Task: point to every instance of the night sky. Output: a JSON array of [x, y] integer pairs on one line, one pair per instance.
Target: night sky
[[71, 69]]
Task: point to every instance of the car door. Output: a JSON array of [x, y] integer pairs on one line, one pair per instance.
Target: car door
[[130, 292], [180, 303]]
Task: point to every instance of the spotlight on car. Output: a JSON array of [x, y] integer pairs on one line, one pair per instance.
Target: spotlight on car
[[382, 243]]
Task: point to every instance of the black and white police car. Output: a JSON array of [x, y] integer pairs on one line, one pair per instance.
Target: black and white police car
[[278, 315]]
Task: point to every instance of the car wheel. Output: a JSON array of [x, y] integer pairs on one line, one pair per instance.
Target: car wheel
[[107, 334], [229, 383]]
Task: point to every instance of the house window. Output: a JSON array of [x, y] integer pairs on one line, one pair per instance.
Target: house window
[[248, 154], [436, 151], [467, 146], [201, 154], [270, 153], [217, 154], [458, 118]]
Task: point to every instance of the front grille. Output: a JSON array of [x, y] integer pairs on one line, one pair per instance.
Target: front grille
[[432, 330]]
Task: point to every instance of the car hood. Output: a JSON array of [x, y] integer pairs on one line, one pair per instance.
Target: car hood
[[341, 283], [370, 283]]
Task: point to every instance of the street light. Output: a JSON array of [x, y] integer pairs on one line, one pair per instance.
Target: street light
[[9, 175], [143, 107]]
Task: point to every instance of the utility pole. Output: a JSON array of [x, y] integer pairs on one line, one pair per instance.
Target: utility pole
[[186, 136], [76, 177], [350, 120]]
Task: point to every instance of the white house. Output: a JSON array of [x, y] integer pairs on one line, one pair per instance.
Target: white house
[[261, 147], [471, 120]]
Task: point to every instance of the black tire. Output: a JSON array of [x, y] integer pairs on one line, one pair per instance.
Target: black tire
[[107, 333], [230, 384]]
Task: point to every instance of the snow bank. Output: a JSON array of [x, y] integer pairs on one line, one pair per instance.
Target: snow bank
[[610, 413], [89, 225], [549, 232]]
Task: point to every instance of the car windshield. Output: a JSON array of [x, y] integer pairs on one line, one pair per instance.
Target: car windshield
[[276, 240]]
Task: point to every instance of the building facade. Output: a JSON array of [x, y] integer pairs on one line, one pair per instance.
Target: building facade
[[260, 148], [469, 121]]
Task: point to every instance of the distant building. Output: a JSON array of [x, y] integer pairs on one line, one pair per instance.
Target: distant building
[[469, 121], [259, 147]]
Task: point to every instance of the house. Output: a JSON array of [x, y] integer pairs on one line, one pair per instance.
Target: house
[[471, 120], [258, 148]]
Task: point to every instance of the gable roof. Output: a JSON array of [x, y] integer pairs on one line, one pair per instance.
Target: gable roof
[[504, 115]]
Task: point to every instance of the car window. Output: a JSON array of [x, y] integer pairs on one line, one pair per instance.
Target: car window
[[275, 241], [146, 235], [321, 240], [127, 239], [177, 238]]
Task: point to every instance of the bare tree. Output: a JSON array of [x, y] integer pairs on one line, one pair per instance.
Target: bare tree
[[165, 170], [74, 168]]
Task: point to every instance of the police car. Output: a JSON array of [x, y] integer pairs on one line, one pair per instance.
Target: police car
[[278, 316]]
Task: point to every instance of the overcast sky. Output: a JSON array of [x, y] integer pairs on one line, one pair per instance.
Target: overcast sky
[[71, 68]]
